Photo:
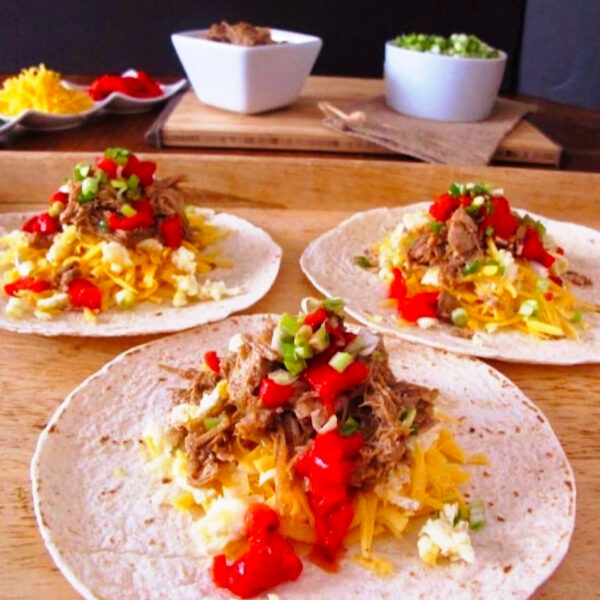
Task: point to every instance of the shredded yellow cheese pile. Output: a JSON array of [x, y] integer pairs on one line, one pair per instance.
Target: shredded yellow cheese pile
[[41, 89]]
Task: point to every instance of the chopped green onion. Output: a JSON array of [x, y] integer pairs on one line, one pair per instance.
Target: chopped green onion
[[471, 267], [539, 226], [304, 351], [128, 210], [89, 189], [303, 335], [457, 189], [282, 377], [459, 317], [320, 339], [478, 201], [289, 324], [489, 231], [490, 269], [291, 361], [125, 299], [363, 262], [480, 189], [414, 429], [81, 171], [101, 176], [334, 305], [476, 515], [103, 226], [349, 427], [211, 422], [133, 182], [55, 209], [576, 318], [529, 308], [118, 184], [341, 360], [436, 226], [542, 285], [118, 155], [408, 416], [472, 210]]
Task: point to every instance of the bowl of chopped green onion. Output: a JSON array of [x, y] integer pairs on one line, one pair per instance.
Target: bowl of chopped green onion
[[445, 79]]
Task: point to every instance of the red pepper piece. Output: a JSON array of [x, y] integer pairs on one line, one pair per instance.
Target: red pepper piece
[[533, 248], [505, 224], [329, 383], [84, 294], [212, 361], [443, 206], [108, 165], [398, 286], [44, 224], [260, 520], [105, 85], [151, 87], [27, 283], [142, 218], [171, 231], [560, 250], [557, 280], [61, 197], [423, 304], [273, 394], [144, 169], [316, 318]]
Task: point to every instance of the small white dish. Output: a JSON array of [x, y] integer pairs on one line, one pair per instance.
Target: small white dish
[[440, 87], [114, 103], [247, 79]]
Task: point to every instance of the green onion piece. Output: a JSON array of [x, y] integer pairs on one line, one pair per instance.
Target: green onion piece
[[457, 189], [128, 210], [125, 299], [476, 515], [349, 427], [55, 209], [282, 377], [459, 317], [103, 226], [472, 210], [81, 171], [334, 305], [363, 262], [320, 339], [537, 224], [89, 189], [576, 318], [289, 324], [211, 422], [408, 416], [340, 360], [414, 429], [436, 226], [118, 155], [291, 361], [303, 335], [480, 189], [101, 176], [529, 308], [118, 184], [542, 285], [304, 351], [133, 183], [471, 267]]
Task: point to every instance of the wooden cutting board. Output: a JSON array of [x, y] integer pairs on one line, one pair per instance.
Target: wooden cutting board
[[295, 200], [189, 123]]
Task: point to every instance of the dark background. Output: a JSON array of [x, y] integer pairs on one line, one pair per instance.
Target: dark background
[[80, 36]]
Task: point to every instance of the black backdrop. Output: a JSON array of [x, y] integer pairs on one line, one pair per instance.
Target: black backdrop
[[81, 36]]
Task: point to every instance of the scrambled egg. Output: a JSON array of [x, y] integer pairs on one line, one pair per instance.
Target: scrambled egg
[[116, 256], [62, 245], [223, 523], [442, 537], [184, 260]]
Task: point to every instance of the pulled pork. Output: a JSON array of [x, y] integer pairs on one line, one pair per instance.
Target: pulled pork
[[241, 34]]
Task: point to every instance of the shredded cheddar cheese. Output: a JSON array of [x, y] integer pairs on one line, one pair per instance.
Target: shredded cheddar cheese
[[41, 89]]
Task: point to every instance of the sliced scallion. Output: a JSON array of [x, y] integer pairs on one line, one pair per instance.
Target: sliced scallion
[[133, 182], [89, 189], [103, 226], [529, 308], [282, 377], [118, 155], [304, 351], [81, 171], [125, 299], [476, 515], [211, 422], [363, 262], [349, 426], [291, 361], [457, 189], [340, 360], [335, 305], [436, 226], [489, 231], [408, 416], [576, 318], [303, 335], [471, 267], [320, 339], [289, 324], [542, 285], [459, 316], [118, 184], [55, 209], [128, 210]]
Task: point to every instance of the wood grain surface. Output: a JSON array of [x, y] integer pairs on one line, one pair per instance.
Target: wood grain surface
[[295, 200], [299, 126]]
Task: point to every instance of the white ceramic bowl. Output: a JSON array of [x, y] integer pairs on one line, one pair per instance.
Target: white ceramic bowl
[[439, 87], [247, 79]]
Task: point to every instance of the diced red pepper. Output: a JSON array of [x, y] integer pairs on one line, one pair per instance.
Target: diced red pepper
[[560, 250], [44, 224], [212, 361], [108, 165], [398, 286], [273, 394], [502, 220], [27, 283], [151, 87], [443, 206], [557, 280], [61, 197], [171, 231], [533, 248], [105, 85], [144, 169], [329, 383], [84, 294], [138, 86], [423, 304], [143, 217], [260, 520], [316, 318]]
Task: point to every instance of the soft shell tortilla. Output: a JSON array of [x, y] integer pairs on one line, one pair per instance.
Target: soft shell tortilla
[[94, 499], [255, 259], [329, 263]]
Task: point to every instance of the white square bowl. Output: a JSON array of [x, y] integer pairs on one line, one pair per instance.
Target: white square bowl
[[247, 79]]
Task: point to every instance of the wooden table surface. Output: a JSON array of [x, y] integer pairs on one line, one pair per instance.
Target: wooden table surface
[[577, 130], [294, 199]]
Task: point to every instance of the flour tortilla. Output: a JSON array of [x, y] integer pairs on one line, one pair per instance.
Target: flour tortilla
[[94, 499], [329, 263], [255, 259]]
